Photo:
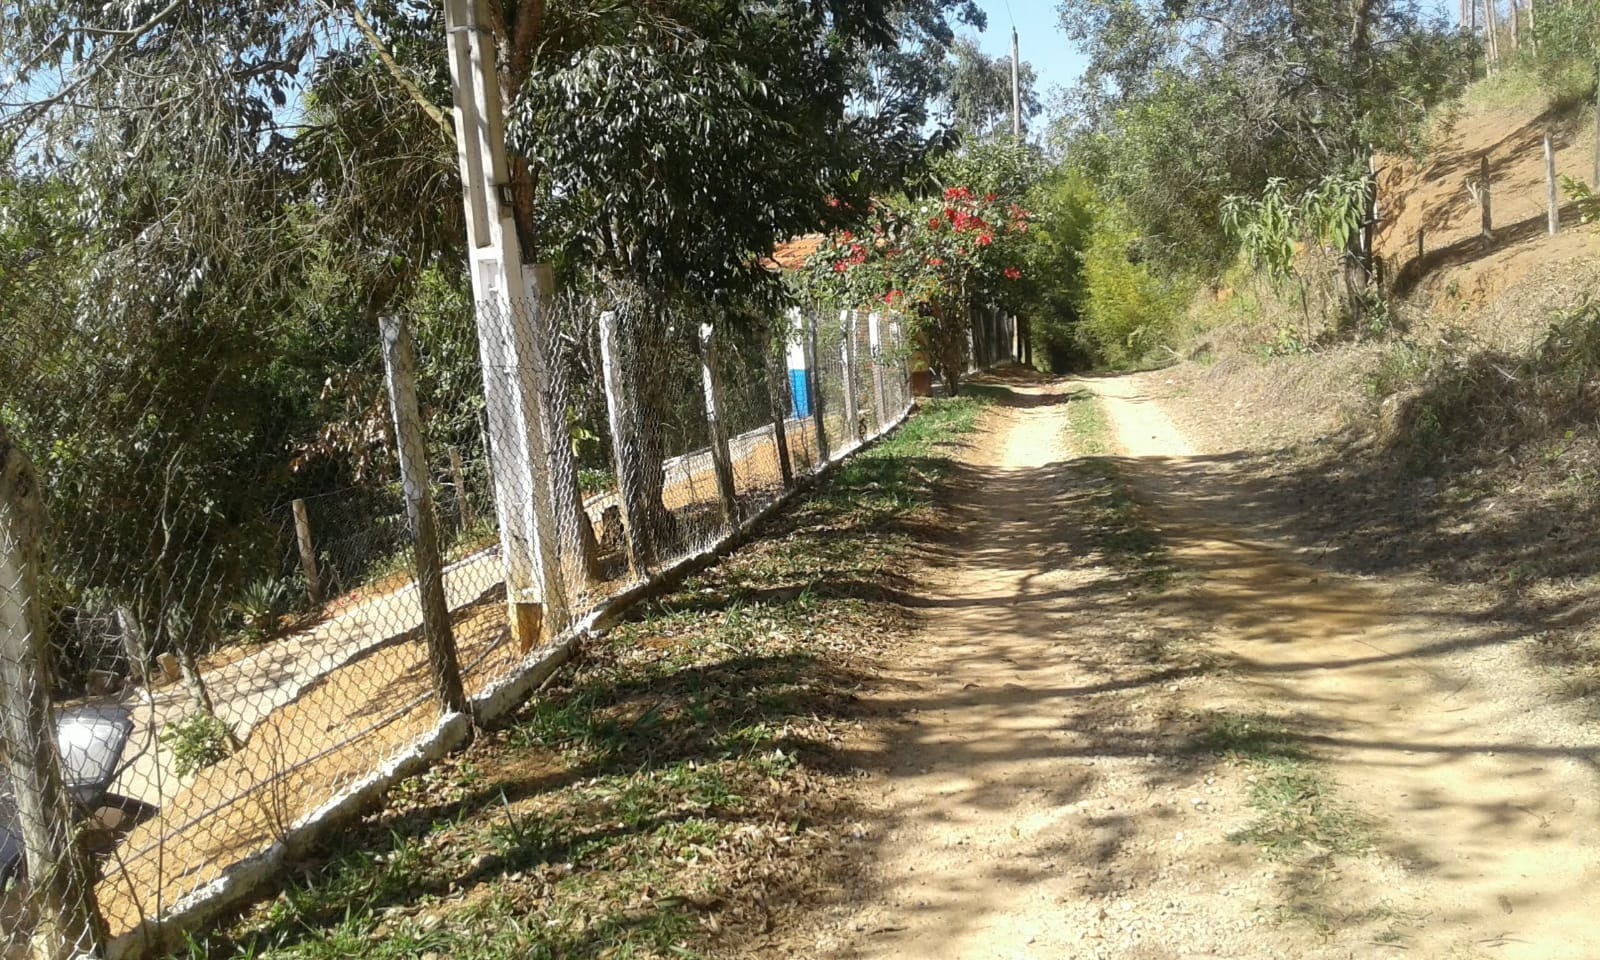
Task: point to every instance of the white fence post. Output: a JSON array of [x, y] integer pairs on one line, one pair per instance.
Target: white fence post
[[721, 459], [624, 450], [875, 343], [1550, 184]]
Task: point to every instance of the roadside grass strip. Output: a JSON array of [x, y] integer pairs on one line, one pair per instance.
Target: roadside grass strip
[[681, 790]]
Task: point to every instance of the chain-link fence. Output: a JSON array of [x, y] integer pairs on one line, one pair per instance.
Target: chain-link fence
[[202, 649]]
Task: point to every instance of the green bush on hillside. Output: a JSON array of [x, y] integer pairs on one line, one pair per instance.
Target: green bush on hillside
[[1128, 312]]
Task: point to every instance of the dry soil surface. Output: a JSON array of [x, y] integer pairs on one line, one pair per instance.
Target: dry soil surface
[[1052, 792]]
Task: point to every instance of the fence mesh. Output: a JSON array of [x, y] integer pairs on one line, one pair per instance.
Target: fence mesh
[[201, 646]]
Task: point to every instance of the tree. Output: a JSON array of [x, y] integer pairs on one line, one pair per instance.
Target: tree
[[1185, 103], [159, 132], [933, 260], [978, 91]]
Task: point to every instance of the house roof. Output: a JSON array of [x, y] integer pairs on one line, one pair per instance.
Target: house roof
[[792, 254]]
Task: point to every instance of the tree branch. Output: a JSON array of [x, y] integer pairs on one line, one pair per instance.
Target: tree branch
[[406, 83]]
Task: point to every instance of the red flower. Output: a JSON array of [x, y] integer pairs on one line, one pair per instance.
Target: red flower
[[846, 237], [936, 262], [1012, 273], [833, 201], [934, 223], [892, 296], [957, 193], [990, 197], [984, 240], [840, 267]]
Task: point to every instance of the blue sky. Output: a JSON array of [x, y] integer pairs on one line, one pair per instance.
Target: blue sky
[[1055, 61]]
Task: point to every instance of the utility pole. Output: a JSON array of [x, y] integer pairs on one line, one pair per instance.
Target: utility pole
[[1016, 88], [513, 368]]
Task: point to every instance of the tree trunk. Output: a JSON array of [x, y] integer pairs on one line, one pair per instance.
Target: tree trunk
[[778, 398], [1491, 21], [717, 426], [577, 545], [643, 328], [59, 873]]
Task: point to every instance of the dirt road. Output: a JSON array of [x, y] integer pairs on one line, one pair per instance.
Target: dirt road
[[1140, 728]]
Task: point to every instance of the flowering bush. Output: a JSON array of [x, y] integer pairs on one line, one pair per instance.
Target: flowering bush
[[932, 260]]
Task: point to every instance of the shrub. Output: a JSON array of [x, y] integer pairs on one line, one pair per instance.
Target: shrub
[[196, 741], [1127, 312]]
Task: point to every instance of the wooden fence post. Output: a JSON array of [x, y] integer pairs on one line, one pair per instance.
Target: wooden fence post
[[778, 398], [400, 367], [308, 553], [1485, 208], [875, 343], [814, 381], [1550, 185], [458, 480], [847, 357], [69, 922], [721, 459]]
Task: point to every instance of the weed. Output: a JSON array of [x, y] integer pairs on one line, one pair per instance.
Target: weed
[[1297, 808], [1122, 532], [1249, 738], [196, 741], [1402, 364], [1298, 811], [262, 605]]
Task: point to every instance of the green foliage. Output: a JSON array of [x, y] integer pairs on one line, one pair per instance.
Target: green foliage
[[262, 604], [1184, 104], [978, 91], [1128, 311], [932, 261], [675, 144], [1291, 238], [196, 741], [1063, 209], [1567, 41], [1270, 228], [1584, 196]]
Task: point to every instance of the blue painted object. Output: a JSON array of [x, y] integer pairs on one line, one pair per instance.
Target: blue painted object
[[800, 394]]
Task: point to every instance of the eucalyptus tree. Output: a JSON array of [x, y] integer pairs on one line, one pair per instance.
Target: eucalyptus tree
[[151, 390], [977, 93]]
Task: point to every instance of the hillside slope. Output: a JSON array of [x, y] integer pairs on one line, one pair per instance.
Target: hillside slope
[[1435, 203], [1461, 444]]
